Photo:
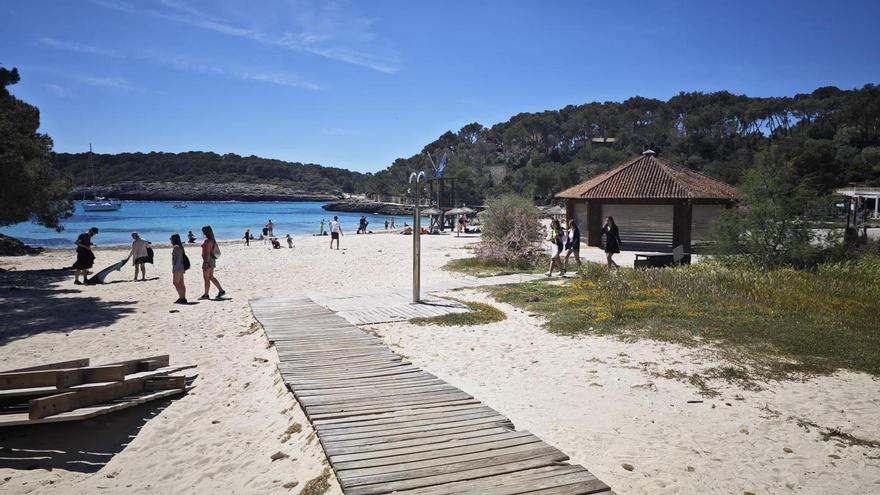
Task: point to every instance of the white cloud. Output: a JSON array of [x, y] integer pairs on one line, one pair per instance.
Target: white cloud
[[58, 90], [326, 29], [115, 82], [77, 47], [278, 78]]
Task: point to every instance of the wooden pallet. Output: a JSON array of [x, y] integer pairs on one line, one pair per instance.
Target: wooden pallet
[[73, 390], [388, 426]]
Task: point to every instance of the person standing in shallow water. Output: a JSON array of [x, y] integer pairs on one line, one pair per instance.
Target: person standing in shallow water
[[179, 263], [612, 241], [85, 258], [210, 253]]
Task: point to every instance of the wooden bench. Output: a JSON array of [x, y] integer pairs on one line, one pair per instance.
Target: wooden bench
[[656, 260]]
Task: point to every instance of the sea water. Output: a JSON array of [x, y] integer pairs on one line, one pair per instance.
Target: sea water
[[157, 220]]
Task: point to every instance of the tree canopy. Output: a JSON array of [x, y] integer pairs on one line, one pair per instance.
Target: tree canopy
[[830, 136], [30, 188]]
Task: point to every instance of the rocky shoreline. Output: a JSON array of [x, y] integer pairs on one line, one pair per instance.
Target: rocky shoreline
[[197, 191], [367, 206]]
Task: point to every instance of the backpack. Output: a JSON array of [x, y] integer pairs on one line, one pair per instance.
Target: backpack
[[186, 263]]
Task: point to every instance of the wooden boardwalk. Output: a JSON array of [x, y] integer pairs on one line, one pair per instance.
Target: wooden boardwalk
[[389, 427]]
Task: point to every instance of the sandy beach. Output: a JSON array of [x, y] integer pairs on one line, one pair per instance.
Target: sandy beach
[[598, 399]]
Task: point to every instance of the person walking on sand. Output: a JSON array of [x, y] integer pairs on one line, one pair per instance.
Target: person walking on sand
[[612, 241], [392, 224], [270, 228], [289, 241], [85, 258], [247, 237], [335, 232], [140, 254], [555, 236], [179, 266], [572, 244], [210, 253], [386, 224]]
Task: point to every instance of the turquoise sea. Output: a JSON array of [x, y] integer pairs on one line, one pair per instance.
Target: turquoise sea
[[157, 220]]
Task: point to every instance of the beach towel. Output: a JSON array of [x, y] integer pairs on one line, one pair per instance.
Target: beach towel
[[99, 277]]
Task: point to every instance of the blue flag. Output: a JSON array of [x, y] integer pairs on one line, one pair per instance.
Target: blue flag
[[442, 166]]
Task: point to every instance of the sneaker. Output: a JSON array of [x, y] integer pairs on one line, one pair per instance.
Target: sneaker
[[221, 294], [549, 274], [204, 297], [180, 301], [77, 282]]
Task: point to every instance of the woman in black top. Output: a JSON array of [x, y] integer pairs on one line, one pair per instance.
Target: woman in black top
[[572, 244], [612, 241]]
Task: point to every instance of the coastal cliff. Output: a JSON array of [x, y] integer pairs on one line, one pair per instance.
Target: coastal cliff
[[198, 191]]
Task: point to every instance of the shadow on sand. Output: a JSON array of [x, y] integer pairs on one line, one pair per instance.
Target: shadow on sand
[[30, 304], [79, 446]]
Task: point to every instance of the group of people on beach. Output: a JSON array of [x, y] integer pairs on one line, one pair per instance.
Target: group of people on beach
[[569, 240], [267, 235], [141, 253]]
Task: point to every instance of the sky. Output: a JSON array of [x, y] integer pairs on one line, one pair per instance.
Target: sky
[[358, 84]]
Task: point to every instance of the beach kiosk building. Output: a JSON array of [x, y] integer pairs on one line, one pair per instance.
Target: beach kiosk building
[[657, 205]]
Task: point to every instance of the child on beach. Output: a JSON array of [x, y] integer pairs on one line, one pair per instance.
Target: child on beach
[[210, 253], [191, 238]]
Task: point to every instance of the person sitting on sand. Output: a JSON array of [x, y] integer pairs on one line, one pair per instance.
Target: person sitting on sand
[[210, 253], [191, 238], [335, 232], [140, 255], [85, 258], [407, 230], [275, 243], [179, 266], [289, 241]]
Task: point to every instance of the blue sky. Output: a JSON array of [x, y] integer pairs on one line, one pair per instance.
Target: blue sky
[[358, 84]]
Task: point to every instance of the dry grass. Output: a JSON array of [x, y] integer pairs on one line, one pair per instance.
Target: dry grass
[[774, 322]]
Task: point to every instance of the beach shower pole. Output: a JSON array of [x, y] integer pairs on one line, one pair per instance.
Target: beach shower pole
[[416, 178]]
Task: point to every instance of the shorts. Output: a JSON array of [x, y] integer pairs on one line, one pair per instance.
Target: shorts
[[334, 235], [142, 259], [209, 263]]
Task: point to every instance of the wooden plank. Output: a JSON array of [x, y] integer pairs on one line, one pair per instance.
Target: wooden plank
[[421, 435], [74, 363], [144, 364], [90, 394], [87, 412], [515, 482], [429, 441], [541, 456], [165, 383], [388, 430], [411, 421], [441, 479], [110, 373], [406, 415], [438, 446], [453, 452], [376, 410]]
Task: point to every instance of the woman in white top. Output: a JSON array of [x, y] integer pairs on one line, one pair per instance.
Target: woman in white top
[[140, 254]]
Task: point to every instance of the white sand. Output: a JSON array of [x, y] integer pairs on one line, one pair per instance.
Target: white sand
[[592, 397]]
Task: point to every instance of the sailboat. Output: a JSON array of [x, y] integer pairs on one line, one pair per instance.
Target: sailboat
[[97, 203]]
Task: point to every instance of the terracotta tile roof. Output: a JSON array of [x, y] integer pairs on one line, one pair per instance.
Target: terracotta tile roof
[[649, 177]]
